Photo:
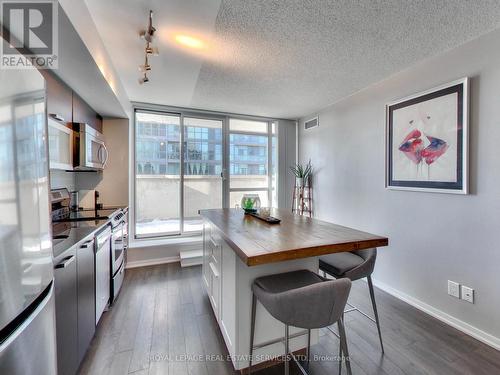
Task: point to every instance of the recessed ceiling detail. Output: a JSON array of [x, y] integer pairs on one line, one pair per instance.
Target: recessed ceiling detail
[[282, 59]]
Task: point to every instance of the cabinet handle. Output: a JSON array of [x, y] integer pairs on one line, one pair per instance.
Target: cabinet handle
[[86, 244], [214, 244], [214, 270], [57, 117], [27, 267], [66, 262]]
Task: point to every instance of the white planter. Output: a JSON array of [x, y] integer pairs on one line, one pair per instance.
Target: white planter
[[299, 182]]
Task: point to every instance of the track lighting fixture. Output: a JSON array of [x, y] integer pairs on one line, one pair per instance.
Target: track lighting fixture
[[150, 50]]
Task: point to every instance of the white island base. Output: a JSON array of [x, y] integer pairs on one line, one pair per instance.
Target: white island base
[[228, 283]]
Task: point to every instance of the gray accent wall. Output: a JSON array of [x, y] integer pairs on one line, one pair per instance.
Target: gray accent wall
[[433, 237]]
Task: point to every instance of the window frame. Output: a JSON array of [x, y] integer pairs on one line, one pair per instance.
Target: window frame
[[269, 136], [225, 162]]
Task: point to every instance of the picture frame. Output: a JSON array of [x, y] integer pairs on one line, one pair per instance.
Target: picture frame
[[427, 140]]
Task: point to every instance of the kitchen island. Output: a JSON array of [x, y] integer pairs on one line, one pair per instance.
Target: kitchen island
[[238, 248]]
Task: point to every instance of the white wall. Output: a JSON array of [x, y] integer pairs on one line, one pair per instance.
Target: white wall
[[433, 237]]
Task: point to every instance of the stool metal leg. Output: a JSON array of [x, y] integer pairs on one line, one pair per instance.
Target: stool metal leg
[[287, 349], [252, 331], [340, 358], [374, 304], [308, 352], [343, 343]]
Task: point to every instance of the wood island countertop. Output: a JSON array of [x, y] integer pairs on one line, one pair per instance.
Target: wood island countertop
[[257, 242]]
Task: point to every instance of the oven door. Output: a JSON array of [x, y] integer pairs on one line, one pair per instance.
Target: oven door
[[117, 249], [116, 282]]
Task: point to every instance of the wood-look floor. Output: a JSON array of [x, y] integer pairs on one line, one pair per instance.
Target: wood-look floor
[[162, 324]]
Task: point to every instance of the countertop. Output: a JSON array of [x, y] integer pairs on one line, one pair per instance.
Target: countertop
[[257, 242], [78, 231]]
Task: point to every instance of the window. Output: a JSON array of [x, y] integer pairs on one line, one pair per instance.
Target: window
[[249, 143], [180, 164]]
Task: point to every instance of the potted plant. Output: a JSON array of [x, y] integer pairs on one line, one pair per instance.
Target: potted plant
[[302, 173], [247, 203]]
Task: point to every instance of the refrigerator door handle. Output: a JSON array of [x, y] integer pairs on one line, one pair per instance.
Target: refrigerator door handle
[[19, 330], [66, 262]]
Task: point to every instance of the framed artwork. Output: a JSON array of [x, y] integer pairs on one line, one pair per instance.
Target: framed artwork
[[427, 140]]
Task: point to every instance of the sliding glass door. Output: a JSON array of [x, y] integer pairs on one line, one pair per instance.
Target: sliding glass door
[[190, 161], [158, 174], [202, 169]]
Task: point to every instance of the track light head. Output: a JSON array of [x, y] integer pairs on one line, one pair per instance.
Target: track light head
[[153, 51], [144, 79], [146, 35]]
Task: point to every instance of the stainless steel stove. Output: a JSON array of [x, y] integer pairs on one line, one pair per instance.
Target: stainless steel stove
[[63, 219]]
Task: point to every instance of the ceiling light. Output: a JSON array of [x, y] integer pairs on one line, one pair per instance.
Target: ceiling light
[[148, 50], [144, 79], [150, 31], [146, 36], [189, 41]]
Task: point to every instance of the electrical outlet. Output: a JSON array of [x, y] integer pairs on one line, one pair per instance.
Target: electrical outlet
[[467, 294], [453, 289]]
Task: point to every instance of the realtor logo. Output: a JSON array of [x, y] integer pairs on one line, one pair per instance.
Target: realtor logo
[[29, 34]]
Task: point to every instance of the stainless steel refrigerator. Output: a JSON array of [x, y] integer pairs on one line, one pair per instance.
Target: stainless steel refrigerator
[[27, 318]]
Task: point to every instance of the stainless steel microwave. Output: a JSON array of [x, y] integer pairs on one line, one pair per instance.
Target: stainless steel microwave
[[91, 152]]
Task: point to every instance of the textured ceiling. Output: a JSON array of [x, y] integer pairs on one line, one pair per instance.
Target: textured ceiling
[[282, 58]]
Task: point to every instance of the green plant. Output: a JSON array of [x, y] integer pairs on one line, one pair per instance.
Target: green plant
[[302, 171], [248, 204]]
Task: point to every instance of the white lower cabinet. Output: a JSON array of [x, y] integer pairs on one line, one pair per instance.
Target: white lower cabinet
[[228, 284]]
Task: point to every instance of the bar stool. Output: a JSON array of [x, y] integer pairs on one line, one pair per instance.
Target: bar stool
[[354, 265], [301, 299]]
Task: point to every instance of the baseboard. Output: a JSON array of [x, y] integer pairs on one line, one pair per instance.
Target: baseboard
[[152, 262], [466, 328]]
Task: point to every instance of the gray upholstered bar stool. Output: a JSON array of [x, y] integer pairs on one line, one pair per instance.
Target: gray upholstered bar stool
[[354, 265], [301, 299]]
